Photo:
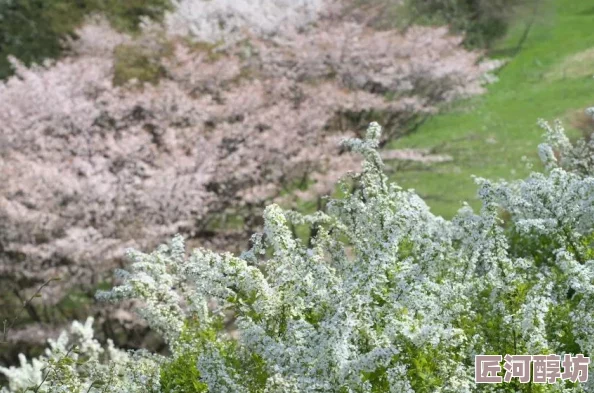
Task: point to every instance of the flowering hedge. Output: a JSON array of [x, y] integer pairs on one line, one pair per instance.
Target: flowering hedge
[[386, 298]]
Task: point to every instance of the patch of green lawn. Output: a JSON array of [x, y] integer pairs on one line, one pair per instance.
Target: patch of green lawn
[[488, 135]]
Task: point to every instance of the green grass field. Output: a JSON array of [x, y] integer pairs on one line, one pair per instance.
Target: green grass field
[[551, 77]]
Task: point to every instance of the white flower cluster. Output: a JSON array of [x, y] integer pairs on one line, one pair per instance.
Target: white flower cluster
[[578, 158], [229, 20], [76, 362], [386, 297]]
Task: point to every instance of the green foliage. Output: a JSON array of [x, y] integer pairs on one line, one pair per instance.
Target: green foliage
[[180, 373], [482, 21], [422, 371], [126, 15], [33, 30], [136, 62]]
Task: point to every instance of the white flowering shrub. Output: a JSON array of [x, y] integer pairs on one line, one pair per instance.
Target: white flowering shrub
[[76, 362], [386, 297]]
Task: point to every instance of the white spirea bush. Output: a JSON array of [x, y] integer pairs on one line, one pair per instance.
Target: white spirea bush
[[387, 297]]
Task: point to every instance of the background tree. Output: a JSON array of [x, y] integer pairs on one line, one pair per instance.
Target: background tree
[[34, 30]]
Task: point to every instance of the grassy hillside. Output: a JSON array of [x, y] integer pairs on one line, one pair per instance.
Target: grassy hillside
[[551, 77]]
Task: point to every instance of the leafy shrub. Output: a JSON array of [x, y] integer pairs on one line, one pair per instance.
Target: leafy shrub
[[388, 298], [482, 21], [137, 62], [127, 15], [583, 122], [33, 30]]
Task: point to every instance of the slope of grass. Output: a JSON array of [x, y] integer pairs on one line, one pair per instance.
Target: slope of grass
[[551, 77]]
